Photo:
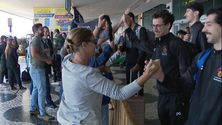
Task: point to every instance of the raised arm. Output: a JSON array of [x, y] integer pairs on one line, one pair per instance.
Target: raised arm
[[102, 58], [97, 30], [102, 85], [142, 44]]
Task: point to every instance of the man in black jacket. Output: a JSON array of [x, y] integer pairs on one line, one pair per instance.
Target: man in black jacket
[[193, 13], [205, 107], [134, 57], [172, 104]]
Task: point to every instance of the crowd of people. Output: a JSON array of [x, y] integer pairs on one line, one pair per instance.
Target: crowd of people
[[189, 84], [10, 69]]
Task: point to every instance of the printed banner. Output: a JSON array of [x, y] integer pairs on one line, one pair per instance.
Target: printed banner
[[45, 16], [63, 19], [53, 18]]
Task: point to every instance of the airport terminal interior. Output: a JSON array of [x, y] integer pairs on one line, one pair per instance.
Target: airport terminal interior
[[55, 14]]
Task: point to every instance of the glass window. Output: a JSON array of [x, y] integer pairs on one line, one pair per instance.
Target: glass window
[[175, 29], [176, 9], [207, 5], [147, 19], [136, 19], [182, 9], [217, 3], [147, 16]]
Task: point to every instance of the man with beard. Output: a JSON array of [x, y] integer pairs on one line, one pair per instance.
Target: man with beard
[[205, 107], [37, 72]]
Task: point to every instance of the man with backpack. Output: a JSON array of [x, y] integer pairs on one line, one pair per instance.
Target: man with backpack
[[173, 105], [205, 107], [134, 56]]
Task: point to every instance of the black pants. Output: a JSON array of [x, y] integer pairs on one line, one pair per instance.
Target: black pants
[[171, 111], [134, 75], [14, 76], [48, 68], [57, 68]]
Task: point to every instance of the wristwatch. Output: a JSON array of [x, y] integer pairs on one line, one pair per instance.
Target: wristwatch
[[100, 29]]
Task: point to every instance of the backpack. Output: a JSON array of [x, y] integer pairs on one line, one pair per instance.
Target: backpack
[[200, 62], [26, 75], [150, 34]]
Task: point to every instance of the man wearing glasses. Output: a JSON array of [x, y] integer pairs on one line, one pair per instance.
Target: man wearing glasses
[[173, 105]]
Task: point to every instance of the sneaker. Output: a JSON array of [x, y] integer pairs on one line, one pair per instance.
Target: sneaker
[[6, 83], [22, 88], [46, 117], [36, 112], [53, 106], [55, 83], [13, 88]]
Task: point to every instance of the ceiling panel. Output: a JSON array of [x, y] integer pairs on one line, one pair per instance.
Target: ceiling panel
[[90, 9]]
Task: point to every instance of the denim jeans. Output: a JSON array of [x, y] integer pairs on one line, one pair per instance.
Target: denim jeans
[[61, 89], [48, 96], [105, 114], [60, 92], [39, 90], [31, 85]]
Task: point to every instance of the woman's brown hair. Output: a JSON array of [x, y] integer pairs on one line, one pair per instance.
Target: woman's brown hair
[[76, 37], [8, 47]]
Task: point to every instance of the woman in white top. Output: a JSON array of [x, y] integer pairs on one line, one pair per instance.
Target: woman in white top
[[85, 86]]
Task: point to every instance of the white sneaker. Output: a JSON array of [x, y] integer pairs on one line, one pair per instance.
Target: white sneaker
[[55, 83]]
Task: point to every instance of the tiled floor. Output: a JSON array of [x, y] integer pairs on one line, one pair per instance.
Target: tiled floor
[[14, 105]]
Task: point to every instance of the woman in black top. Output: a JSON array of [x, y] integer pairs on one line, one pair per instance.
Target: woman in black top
[[12, 64]]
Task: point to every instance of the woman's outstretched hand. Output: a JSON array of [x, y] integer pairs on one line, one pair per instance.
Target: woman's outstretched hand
[[153, 68]]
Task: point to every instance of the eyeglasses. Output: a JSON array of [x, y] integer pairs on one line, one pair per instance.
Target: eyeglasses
[[94, 41], [158, 26]]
